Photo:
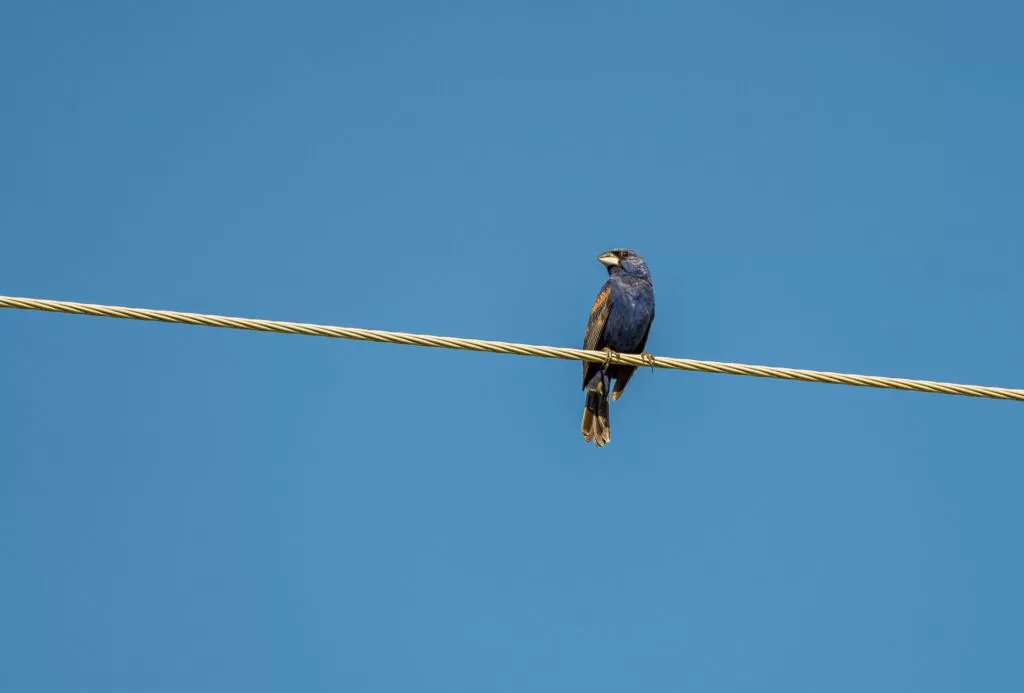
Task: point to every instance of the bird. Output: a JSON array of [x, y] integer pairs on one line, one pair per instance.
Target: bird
[[620, 321]]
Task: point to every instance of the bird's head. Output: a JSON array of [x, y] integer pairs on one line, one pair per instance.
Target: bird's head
[[624, 261]]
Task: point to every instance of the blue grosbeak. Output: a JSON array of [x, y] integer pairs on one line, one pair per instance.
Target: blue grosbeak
[[620, 321]]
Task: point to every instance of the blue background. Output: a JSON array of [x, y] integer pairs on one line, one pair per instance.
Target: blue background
[[819, 185]]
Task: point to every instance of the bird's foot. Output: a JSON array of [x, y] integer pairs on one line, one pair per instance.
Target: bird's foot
[[608, 356], [648, 360]]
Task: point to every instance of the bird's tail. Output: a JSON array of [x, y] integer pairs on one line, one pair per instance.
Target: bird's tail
[[596, 426]]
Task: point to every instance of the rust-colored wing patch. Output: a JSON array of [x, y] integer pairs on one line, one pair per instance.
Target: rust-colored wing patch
[[598, 317], [601, 300], [595, 325]]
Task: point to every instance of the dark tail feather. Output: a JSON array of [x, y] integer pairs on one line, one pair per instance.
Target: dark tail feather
[[596, 426]]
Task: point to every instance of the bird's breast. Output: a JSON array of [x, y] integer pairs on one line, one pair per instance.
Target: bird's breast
[[631, 315]]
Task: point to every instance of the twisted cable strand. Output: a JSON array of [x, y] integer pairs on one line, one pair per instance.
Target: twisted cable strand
[[496, 347]]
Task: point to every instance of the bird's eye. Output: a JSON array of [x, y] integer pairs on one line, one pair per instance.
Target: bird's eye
[[623, 253]]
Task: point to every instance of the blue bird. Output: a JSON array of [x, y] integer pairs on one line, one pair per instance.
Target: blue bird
[[620, 321]]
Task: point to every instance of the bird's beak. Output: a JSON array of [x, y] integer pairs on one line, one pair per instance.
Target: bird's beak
[[608, 259]]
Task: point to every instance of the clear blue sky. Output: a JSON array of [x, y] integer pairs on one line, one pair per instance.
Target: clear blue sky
[[818, 185]]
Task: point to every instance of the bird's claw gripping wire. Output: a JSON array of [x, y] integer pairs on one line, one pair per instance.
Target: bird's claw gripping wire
[[648, 360], [609, 355]]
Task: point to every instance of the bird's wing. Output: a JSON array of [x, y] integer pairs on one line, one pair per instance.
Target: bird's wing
[[594, 338], [625, 373]]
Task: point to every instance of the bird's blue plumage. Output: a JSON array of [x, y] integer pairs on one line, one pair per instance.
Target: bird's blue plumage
[[630, 316], [620, 320]]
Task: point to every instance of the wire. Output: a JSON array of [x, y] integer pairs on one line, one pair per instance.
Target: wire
[[508, 348]]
